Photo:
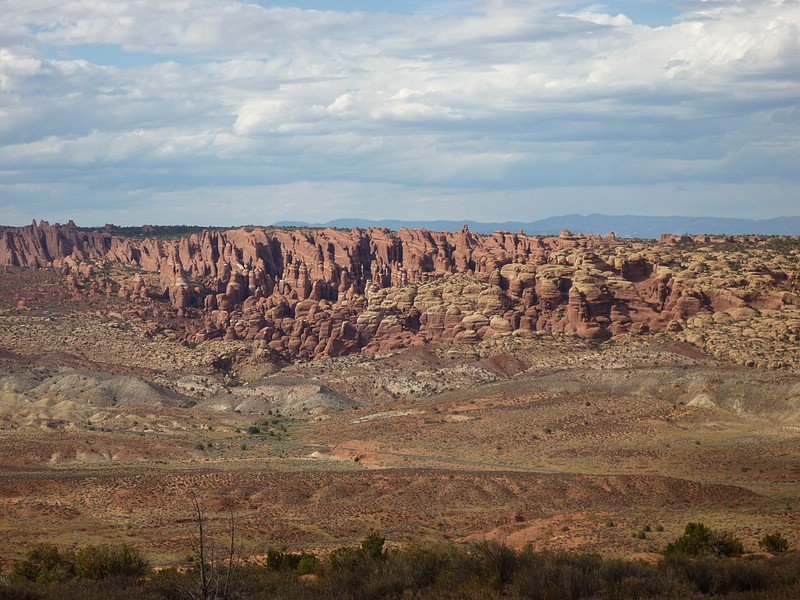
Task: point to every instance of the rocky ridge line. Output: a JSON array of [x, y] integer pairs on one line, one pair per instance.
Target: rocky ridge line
[[317, 293]]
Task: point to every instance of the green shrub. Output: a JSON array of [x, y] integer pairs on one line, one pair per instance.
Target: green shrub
[[307, 564], [774, 542], [699, 540], [372, 545], [695, 541], [302, 562], [726, 544], [45, 563], [99, 562]]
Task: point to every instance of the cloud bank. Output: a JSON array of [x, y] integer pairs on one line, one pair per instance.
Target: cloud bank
[[224, 112]]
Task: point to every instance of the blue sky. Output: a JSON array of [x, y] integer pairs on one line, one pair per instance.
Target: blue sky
[[223, 112]]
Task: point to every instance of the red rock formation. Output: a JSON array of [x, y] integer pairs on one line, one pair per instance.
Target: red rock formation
[[309, 293]]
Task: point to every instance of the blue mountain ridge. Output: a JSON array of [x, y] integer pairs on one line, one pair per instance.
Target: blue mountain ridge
[[627, 226]]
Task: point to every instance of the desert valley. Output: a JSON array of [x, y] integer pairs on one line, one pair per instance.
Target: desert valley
[[565, 393]]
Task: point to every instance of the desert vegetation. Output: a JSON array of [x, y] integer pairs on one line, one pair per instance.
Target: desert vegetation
[[47, 564], [699, 540], [371, 572]]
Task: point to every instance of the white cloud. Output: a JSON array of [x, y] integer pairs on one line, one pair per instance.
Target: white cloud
[[619, 20], [506, 95]]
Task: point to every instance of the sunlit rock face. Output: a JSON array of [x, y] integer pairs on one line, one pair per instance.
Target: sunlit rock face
[[313, 293]]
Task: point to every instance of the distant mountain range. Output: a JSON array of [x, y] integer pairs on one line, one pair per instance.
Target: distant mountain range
[[628, 226]]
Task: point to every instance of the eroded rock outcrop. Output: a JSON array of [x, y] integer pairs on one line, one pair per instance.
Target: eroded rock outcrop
[[312, 293]]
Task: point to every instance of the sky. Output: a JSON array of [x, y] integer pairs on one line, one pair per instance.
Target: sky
[[222, 112]]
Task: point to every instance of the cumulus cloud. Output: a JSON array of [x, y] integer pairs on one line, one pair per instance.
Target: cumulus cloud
[[381, 111]]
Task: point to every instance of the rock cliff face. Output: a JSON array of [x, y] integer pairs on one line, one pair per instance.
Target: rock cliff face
[[313, 293]]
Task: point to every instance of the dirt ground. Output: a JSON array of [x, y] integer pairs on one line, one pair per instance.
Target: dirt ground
[[106, 436]]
